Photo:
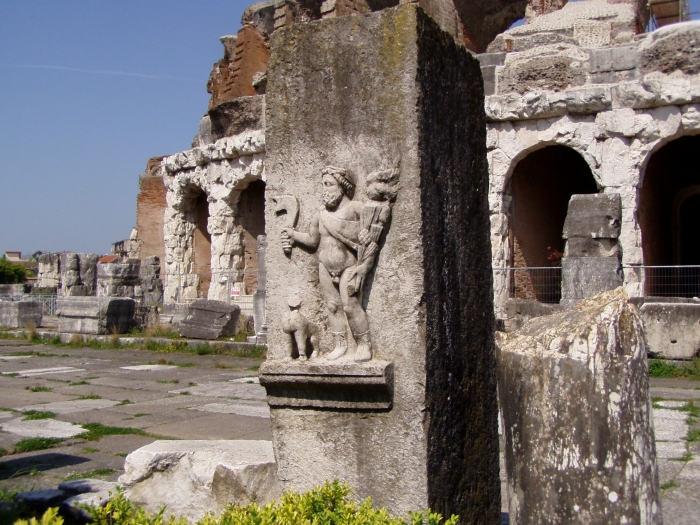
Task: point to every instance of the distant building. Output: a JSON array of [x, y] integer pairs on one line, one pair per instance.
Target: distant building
[[12, 255]]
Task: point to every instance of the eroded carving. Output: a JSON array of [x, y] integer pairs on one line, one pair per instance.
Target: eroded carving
[[345, 234], [301, 332]]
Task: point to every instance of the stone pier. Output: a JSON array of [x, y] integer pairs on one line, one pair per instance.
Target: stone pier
[[381, 365]]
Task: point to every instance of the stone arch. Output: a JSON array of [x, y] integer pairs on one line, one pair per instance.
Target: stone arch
[[668, 201], [540, 187]]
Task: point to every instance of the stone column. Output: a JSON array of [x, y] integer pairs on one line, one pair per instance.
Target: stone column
[[226, 257], [260, 294], [376, 144], [591, 262]]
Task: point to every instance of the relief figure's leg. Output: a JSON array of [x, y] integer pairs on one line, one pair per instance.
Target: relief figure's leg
[[357, 319], [300, 336], [336, 316]]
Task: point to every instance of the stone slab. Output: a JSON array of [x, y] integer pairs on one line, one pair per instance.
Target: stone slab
[[241, 408], [670, 424], [225, 389], [323, 384], [95, 315], [42, 428], [70, 407], [208, 319], [192, 478], [80, 486], [149, 368], [672, 329], [41, 498], [34, 372]]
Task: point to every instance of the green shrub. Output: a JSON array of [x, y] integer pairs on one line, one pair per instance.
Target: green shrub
[[664, 369], [11, 273], [325, 505]]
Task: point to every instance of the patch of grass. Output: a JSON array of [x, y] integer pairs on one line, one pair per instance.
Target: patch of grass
[[90, 450], [692, 410], [30, 415], [4, 409], [33, 444], [11, 374], [38, 388], [184, 393], [669, 485], [253, 368], [141, 414], [168, 381], [221, 364], [185, 365], [8, 495], [79, 383], [97, 473], [693, 436], [90, 396], [663, 369], [191, 383], [96, 431], [89, 378], [125, 402], [203, 349], [120, 454]]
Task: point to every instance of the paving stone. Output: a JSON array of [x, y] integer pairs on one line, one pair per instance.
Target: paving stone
[[670, 449], [45, 371], [668, 470], [671, 404], [228, 389], [216, 427], [42, 428], [676, 393], [149, 367], [690, 473], [242, 409], [69, 407], [246, 380], [670, 425], [13, 357]]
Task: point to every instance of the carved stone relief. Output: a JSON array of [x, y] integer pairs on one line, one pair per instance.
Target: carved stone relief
[[345, 235]]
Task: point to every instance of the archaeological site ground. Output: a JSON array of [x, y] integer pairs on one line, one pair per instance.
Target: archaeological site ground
[[443, 256]]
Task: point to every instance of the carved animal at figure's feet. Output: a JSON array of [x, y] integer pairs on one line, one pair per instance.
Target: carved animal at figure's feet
[[341, 346], [300, 331], [364, 347]]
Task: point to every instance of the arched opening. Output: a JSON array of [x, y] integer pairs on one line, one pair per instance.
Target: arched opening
[[541, 186], [202, 245], [669, 217], [251, 218]]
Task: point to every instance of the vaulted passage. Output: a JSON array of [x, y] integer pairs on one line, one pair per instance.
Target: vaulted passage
[[251, 218], [202, 245], [669, 216], [541, 187]]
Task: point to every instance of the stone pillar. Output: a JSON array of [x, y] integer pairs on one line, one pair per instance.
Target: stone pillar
[[576, 410], [78, 274], [377, 222], [591, 262], [119, 278], [260, 294]]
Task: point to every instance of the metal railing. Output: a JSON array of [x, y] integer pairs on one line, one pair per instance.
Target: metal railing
[[667, 281], [541, 284], [48, 301]]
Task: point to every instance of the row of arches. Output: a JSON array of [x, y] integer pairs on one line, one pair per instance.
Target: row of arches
[[668, 214]]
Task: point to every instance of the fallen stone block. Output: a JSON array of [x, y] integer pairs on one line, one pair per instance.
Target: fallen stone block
[[175, 312], [672, 329], [210, 320], [72, 507], [95, 315], [574, 392], [20, 314], [41, 498], [192, 478], [80, 486]]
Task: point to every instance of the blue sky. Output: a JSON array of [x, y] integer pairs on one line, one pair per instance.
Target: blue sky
[[89, 90], [74, 138]]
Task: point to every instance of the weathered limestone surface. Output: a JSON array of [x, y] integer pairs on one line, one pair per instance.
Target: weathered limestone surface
[[593, 216], [48, 270], [78, 274], [20, 314], [210, 320], [588, 276], [95, 315], [382, 92], [259, 297], [192, 478], [672, 329], [574, 391]]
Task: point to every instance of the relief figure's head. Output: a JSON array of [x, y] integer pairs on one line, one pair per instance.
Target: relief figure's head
[[337, 183]]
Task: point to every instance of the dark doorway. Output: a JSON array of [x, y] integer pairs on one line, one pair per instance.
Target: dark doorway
[[251, 217], [541, 187], [202, 245]]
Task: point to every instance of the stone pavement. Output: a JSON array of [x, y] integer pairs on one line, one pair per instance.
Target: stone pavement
[[185, 396]]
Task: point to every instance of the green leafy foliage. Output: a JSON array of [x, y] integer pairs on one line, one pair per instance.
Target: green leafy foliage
[[325, 505], [663, 369], [11, 273]]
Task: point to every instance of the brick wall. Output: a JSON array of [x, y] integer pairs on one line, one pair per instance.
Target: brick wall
[[150, 206]]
